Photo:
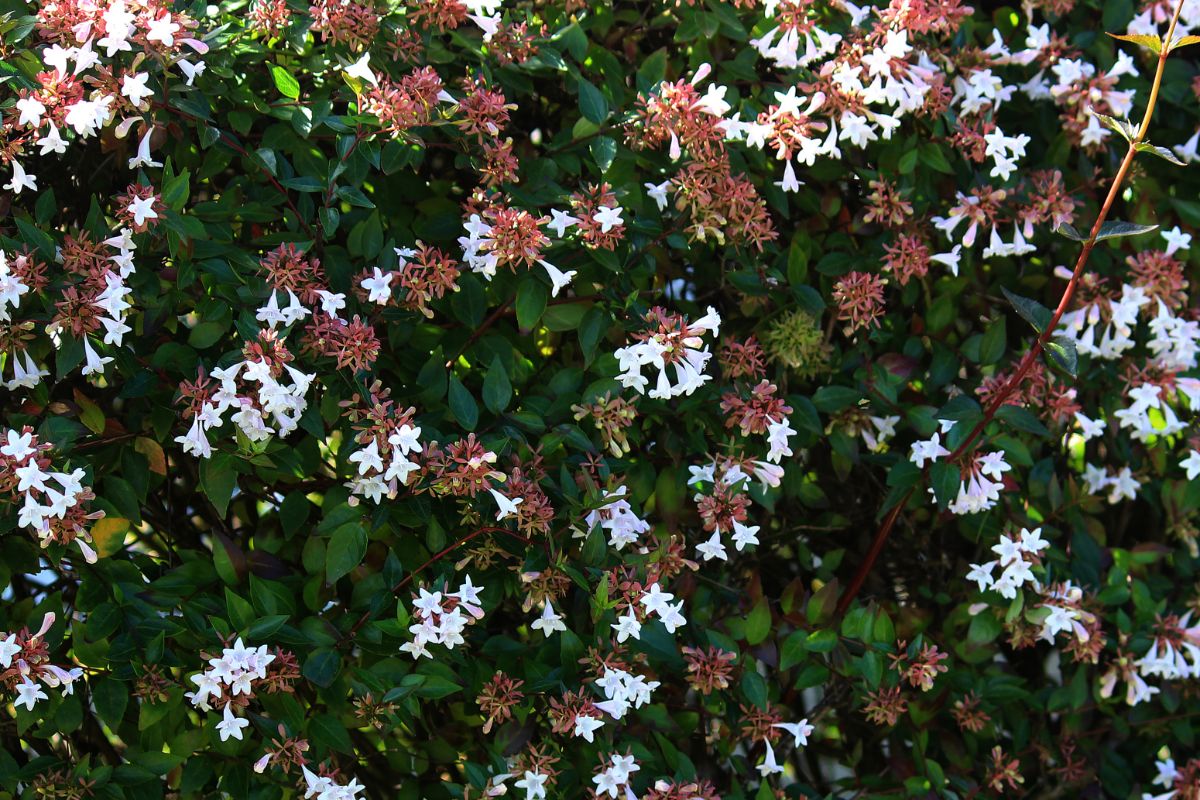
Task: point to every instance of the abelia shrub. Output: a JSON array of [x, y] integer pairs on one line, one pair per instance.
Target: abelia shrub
[[633, 400]]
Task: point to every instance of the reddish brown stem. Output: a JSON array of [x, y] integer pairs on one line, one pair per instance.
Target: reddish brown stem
[[1039, 344]]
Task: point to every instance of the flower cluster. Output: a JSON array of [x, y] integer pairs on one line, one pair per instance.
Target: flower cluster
[[232, 679], [25, 660], [441, 618], [668, 341], [53, 505]]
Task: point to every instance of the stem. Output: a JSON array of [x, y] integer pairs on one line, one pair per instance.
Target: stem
[[1039, 344]]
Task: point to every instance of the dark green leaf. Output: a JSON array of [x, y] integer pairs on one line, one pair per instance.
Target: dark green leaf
[[1031, 311], [497, 390]]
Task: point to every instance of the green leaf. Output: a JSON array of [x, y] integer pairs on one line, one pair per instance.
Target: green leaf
[[1111, 230], [110, 697], [830, 399], [287, 85], [754, 687], [327, 731], [1184, 41], [497, 390], [1061, 350], [218, 479], [206, 334], [794, 649], [462, 404], [175, 192], [1161, 152], [347, 546], [758, 623], [592, 102], [652, 70], [1151, 43], [822, 604], [322, 666], [821, 641], [435, 687], [1068, 230], [1022, 419], [293, 512], [531, 302], [991, 345], [932, 156], [946, 480], [872, 668], [1031, 311], [604, 152], [1123, 127]]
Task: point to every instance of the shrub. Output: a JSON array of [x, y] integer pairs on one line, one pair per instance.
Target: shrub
[[439, 399]]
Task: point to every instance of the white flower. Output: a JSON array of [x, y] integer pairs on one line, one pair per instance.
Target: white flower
[[163, 30], [378, 286], [1123, 486], [20, 179], [713, 548], [608, 218], [1176, 240], [950, 259], [505, 506], [1095, 478], [769, 766], [142, 209], [143, 159], [627, 626], [367, 458], [655, 600], [26, 373], [32, 110], [18, 446], [93, 363], [606, 783], [86, 117], [190, 70], [656, 192], [1167, 773], [800, 730], [534, 784], [1009, 550], [28, 693], [982, 574], [778, 433], [1089, 428], [549, 622], [361, 69], [405, 439], [8, 649], [558, 278], [586, 726], [744, 535], [713, 101], [560, 221], [134, 87], [52, 142], [927, 450], [1192, 464], [331, 302], [622, 525]]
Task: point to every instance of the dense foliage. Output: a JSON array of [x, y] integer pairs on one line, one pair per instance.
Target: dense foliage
[[626, 399]]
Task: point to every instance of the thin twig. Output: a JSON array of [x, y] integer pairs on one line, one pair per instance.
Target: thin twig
[[1039, 344]]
